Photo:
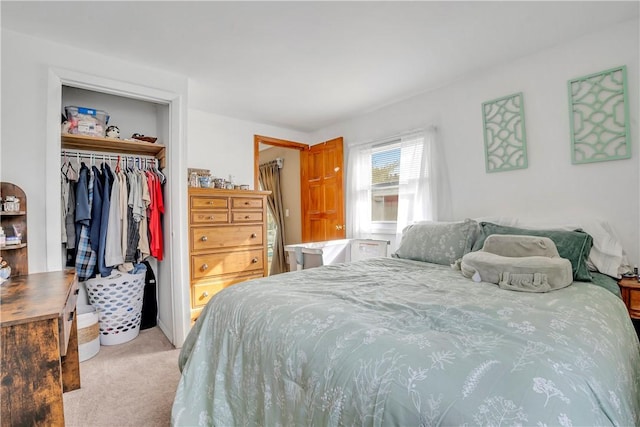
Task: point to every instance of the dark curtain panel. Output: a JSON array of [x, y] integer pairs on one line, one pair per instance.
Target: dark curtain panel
[[270, 181]]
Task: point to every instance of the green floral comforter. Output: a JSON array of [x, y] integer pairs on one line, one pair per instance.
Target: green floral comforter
[[396, 342]]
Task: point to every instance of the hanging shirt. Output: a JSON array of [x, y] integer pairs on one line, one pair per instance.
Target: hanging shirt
[[113, 248], [143, 243], [96, 208], [64, 204], [155, 221], [133, 232], [107, 179], [70, 215], [124, 195], [85, 257]]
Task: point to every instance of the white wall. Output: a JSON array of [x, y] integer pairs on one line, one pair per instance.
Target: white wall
[[24, 114], [551, 186], [224, 145], [29, 66]]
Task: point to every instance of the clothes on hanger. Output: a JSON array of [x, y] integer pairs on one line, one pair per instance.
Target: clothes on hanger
[[116, 216]]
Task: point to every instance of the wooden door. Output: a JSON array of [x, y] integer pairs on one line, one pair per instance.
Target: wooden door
[[322, 198]]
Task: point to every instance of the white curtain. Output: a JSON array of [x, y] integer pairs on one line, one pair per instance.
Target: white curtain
[[359, 192], [423, 191]]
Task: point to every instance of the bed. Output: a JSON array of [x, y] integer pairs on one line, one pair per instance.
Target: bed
[[394, 341]]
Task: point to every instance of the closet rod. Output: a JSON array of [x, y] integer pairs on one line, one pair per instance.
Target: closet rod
[[101, 156]]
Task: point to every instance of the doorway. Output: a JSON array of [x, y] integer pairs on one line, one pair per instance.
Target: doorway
[[267, 149]]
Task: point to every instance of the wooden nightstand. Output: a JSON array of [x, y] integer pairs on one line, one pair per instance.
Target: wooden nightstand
[[630, 290]]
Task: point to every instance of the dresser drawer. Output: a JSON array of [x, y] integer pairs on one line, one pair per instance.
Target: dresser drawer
[[225, 237], [65, 322], [202, 292], [204, 202], [213, 217], [246, 203], [226, 263], [246, 217]]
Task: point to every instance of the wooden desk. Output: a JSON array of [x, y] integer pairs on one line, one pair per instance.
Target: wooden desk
[[39, 347]]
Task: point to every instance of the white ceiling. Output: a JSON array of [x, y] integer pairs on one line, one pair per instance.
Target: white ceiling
[[305, 65]]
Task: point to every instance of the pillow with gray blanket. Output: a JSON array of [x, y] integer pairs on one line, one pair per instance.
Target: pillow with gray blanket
[[519, 263]]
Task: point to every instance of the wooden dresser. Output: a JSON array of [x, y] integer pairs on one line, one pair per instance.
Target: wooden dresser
[[227, 240], [39, 347]]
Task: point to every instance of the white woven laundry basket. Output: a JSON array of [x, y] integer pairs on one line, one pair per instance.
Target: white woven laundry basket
[[88, 332], [118, 299]]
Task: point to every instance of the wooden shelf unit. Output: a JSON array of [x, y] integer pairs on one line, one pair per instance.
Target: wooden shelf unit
[[16, 255], [114, 145]]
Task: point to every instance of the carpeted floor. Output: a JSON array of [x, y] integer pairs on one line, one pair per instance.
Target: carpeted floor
[[130, 384]]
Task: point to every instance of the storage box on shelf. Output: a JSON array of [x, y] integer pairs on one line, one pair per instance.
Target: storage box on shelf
[[86, 121]]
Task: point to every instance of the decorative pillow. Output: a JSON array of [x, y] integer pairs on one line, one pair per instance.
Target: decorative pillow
[[518, 263], [572, 245], [606, 256], [437, 242]]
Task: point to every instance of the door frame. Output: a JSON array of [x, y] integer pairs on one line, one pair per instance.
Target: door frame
[[276, 142], [174, 268]]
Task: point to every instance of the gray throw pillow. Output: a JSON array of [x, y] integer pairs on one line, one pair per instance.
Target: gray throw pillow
[[437, 242]]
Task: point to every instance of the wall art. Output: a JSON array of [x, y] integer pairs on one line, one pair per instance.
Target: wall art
[[599, 117], [505, 140]]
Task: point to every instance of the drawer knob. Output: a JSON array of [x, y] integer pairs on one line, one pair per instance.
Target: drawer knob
[[210, 202], [204, 238], [247, 203], [247, 217], [204, 267], [212, 217], [205, 294], [255, 260], [254, 235]]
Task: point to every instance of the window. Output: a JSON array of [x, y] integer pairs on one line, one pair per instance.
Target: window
[[389, 184], [385, 178]]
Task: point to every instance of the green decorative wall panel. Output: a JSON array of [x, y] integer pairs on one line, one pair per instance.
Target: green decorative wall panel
[[505, 140], [599, 117]]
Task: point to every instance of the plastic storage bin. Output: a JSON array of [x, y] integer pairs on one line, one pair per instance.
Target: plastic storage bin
[[86, 121], [118, 300], [88, 332], [315, 254]]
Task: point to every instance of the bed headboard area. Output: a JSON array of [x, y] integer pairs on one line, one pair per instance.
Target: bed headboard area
[[590, 245]]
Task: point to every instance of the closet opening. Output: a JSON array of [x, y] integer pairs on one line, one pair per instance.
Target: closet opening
[[128, 103]]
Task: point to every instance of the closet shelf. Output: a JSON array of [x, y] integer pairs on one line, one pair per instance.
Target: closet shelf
[[4, 213], [11, 247], [113, 145]]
